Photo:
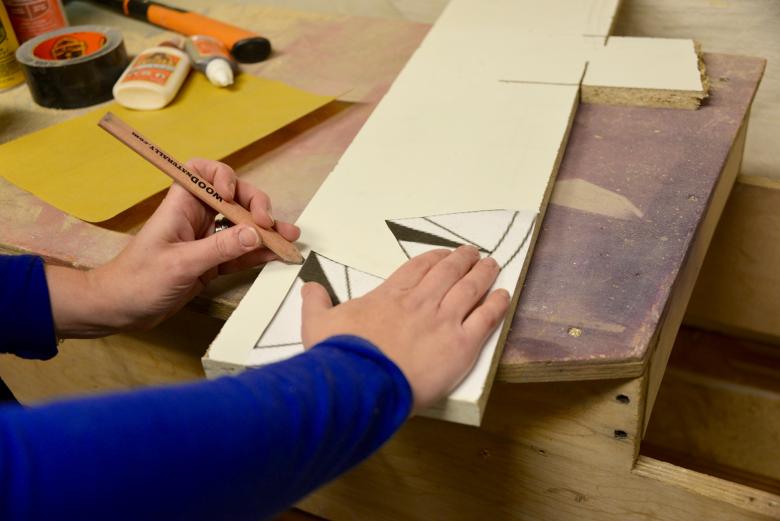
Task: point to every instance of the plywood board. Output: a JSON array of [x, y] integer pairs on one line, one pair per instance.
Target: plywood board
[[737, 289], [638, 182], [477, 120]]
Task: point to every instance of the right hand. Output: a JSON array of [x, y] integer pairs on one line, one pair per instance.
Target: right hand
[[167, 263], [428, 317]]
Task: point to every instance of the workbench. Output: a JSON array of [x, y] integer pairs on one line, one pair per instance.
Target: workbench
[[638, 196]]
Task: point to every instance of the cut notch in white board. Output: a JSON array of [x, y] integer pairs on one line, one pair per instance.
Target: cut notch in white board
[[656, 72]]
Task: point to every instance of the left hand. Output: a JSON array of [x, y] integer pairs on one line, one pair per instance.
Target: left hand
[[171, 259], [431, 317]]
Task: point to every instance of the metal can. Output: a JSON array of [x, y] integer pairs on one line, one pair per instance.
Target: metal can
[[30, 18], [11, 73]]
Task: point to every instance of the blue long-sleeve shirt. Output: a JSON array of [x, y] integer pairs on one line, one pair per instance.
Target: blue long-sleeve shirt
[[243, 447]]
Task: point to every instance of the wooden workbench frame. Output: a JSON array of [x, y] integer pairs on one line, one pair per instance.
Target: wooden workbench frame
[[556, 450], [562, 450]]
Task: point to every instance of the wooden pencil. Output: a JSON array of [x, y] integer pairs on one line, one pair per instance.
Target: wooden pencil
[[197, 186]]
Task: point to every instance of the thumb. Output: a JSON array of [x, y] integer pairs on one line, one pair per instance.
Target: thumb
[[315, 300], [221, 247]]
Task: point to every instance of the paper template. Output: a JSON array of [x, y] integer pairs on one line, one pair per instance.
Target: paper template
[[78, 168], [501, 234]]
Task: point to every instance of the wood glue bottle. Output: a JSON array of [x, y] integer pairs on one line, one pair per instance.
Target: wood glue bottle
[[153, 78], [211, 57]]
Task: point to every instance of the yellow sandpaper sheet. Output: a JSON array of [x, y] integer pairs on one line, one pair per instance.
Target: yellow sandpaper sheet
[[82, 170]]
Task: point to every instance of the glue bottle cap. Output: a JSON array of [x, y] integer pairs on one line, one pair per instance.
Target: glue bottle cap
[[219, 73]]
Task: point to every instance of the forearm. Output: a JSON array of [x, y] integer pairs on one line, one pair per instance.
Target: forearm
[[233, 448]]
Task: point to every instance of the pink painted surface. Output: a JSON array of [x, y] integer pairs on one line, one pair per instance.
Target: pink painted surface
[[359, 57]]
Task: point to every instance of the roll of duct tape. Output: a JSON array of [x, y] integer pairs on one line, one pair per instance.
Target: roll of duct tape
[[73, 67]]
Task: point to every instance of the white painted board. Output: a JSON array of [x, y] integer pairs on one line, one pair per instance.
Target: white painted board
[[476, 121]]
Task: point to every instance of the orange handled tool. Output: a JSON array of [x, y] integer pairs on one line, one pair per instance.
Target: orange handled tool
[[245, 46]]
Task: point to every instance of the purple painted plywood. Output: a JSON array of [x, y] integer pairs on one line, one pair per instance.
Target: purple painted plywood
[[600, 280]]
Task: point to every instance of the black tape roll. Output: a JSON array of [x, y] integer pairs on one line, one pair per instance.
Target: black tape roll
[[73, 67]]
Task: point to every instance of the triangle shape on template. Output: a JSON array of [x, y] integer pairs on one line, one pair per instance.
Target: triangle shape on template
[[484, 229]]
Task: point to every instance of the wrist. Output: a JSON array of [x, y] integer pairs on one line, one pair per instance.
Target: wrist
[[367, 349], [79, 303]]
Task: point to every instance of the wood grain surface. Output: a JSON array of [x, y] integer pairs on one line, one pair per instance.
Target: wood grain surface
[[738, 291], [719, 409]]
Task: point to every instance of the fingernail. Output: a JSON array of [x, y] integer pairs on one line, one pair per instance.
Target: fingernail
[[273, 221], [490, 261], [249, 238]]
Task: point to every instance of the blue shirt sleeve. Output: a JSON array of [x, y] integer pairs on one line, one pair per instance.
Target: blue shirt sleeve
[[26, 323], [243, 447]]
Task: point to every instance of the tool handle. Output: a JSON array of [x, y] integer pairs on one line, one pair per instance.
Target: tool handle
[[198, 187], [245, 46]]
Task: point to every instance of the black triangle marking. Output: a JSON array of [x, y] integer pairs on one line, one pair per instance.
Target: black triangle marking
[[312, 271], [404, 233]]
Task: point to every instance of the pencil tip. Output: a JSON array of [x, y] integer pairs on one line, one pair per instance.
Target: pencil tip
[[106, 119]]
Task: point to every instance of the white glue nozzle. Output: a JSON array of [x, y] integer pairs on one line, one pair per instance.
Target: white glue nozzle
[[219, 73]]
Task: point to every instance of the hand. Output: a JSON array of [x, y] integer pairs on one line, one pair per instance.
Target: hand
[[168, 262], [428, 317]]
